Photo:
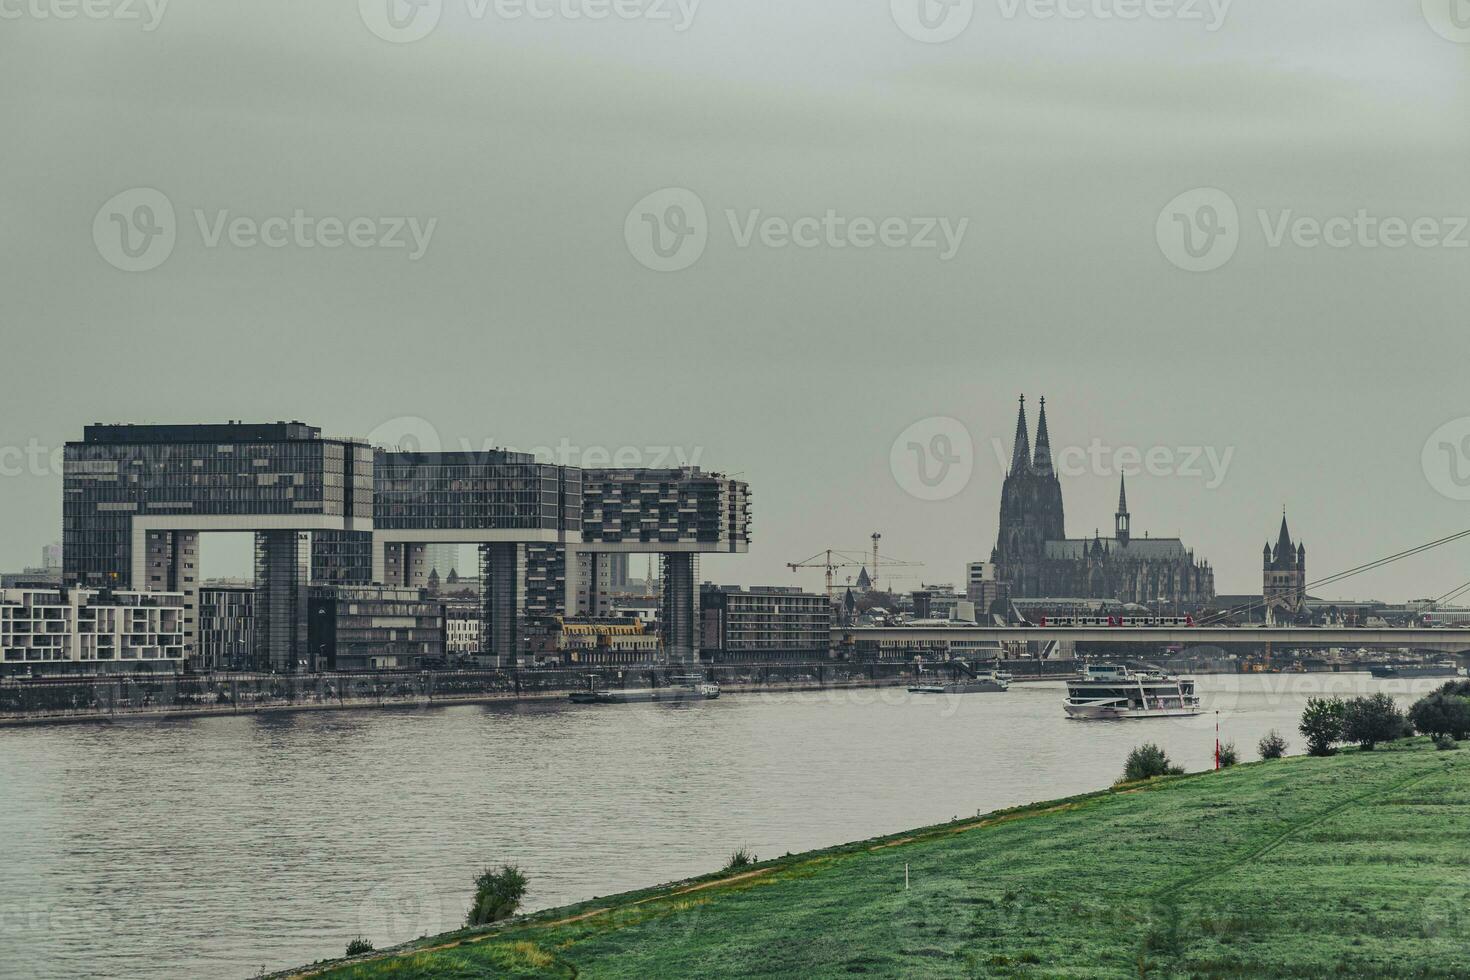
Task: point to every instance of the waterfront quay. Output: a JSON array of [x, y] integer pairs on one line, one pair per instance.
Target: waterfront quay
[[59, 700]]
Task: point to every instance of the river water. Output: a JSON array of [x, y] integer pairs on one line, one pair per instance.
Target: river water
[[224, 846]]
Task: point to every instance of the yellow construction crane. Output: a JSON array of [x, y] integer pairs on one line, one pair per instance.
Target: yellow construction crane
[[873, 572], [832, 559]]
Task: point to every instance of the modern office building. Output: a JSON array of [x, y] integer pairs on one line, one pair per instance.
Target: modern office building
[[137, 497], [373, 627], [226, 627], [336, 512], [764, 624], [83, 631], [678, 514]]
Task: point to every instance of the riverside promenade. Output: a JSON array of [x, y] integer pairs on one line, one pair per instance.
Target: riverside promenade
[[102, 699]]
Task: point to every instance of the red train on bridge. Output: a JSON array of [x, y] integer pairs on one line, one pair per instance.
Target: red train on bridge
[[1117, 621]]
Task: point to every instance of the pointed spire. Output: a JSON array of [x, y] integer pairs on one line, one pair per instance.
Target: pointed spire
[[1284, 546], [1020, 456], [1122, 522], [1042, 462]]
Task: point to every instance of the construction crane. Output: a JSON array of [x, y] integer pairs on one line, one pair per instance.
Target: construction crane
[[873, 574], [831, 561]]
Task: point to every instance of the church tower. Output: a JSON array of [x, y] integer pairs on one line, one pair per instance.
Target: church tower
[[1030, 510], [1284, 577]]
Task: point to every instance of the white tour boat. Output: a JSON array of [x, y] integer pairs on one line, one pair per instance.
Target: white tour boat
[[1118, 692]]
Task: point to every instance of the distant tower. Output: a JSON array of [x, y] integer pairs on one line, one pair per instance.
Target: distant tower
[[1030, 511], [1284, 577], [1122, 520]]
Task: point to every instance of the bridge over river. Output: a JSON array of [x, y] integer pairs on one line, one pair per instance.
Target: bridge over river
[[1419, 638]]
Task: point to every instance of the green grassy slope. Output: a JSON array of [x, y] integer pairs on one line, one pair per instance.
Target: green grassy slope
[[1358, 865]]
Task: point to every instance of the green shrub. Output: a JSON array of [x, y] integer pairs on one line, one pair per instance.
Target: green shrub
[[1228, 755], [1445, 744], [1442, 713], [1146, 762], [1321, 724], [497, 895], [741, 859], [359, 946], [1271, 745], [1370, 720]]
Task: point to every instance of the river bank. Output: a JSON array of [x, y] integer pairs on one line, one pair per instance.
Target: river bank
[[106, 699], [1352, 865]]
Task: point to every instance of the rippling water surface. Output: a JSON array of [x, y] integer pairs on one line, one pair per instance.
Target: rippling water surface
[[221, 846]]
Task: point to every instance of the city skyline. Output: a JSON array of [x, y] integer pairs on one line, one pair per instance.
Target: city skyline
[[1204, 478], [1327, 369]]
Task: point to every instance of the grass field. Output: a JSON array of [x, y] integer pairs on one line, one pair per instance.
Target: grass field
[[1353, 866]]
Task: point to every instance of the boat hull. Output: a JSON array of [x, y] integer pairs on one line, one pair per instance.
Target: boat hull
[[966, 687], [1102, 712]]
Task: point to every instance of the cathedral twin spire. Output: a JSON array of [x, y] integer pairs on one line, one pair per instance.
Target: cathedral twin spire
[[1021, 456]]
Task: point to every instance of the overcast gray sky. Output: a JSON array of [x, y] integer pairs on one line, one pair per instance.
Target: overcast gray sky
[[524, 317]]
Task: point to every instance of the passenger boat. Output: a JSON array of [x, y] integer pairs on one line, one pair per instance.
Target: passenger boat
[[684, 688], [1109, 691]]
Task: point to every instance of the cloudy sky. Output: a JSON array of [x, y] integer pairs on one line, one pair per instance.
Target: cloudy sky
[[1227, 243]]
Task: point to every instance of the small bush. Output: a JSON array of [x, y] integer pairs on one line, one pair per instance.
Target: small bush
[[1321, 724], [1228, 755], [497, 895], [1445, 744], [1271, 745], [1368, 721], [741, 859], [359, 946], [1442, 713], [1146, 762]]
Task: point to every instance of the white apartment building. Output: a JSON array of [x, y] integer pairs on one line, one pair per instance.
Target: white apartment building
[[83, 631]]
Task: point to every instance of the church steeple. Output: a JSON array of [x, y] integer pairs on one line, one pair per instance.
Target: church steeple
[[1123, 519], [1042, 462], [1021, 455], [1284, 548]]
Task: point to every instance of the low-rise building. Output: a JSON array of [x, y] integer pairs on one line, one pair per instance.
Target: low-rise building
[[759, 624], [82, 631], [594, 640], [461, 628], [373, 627]]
